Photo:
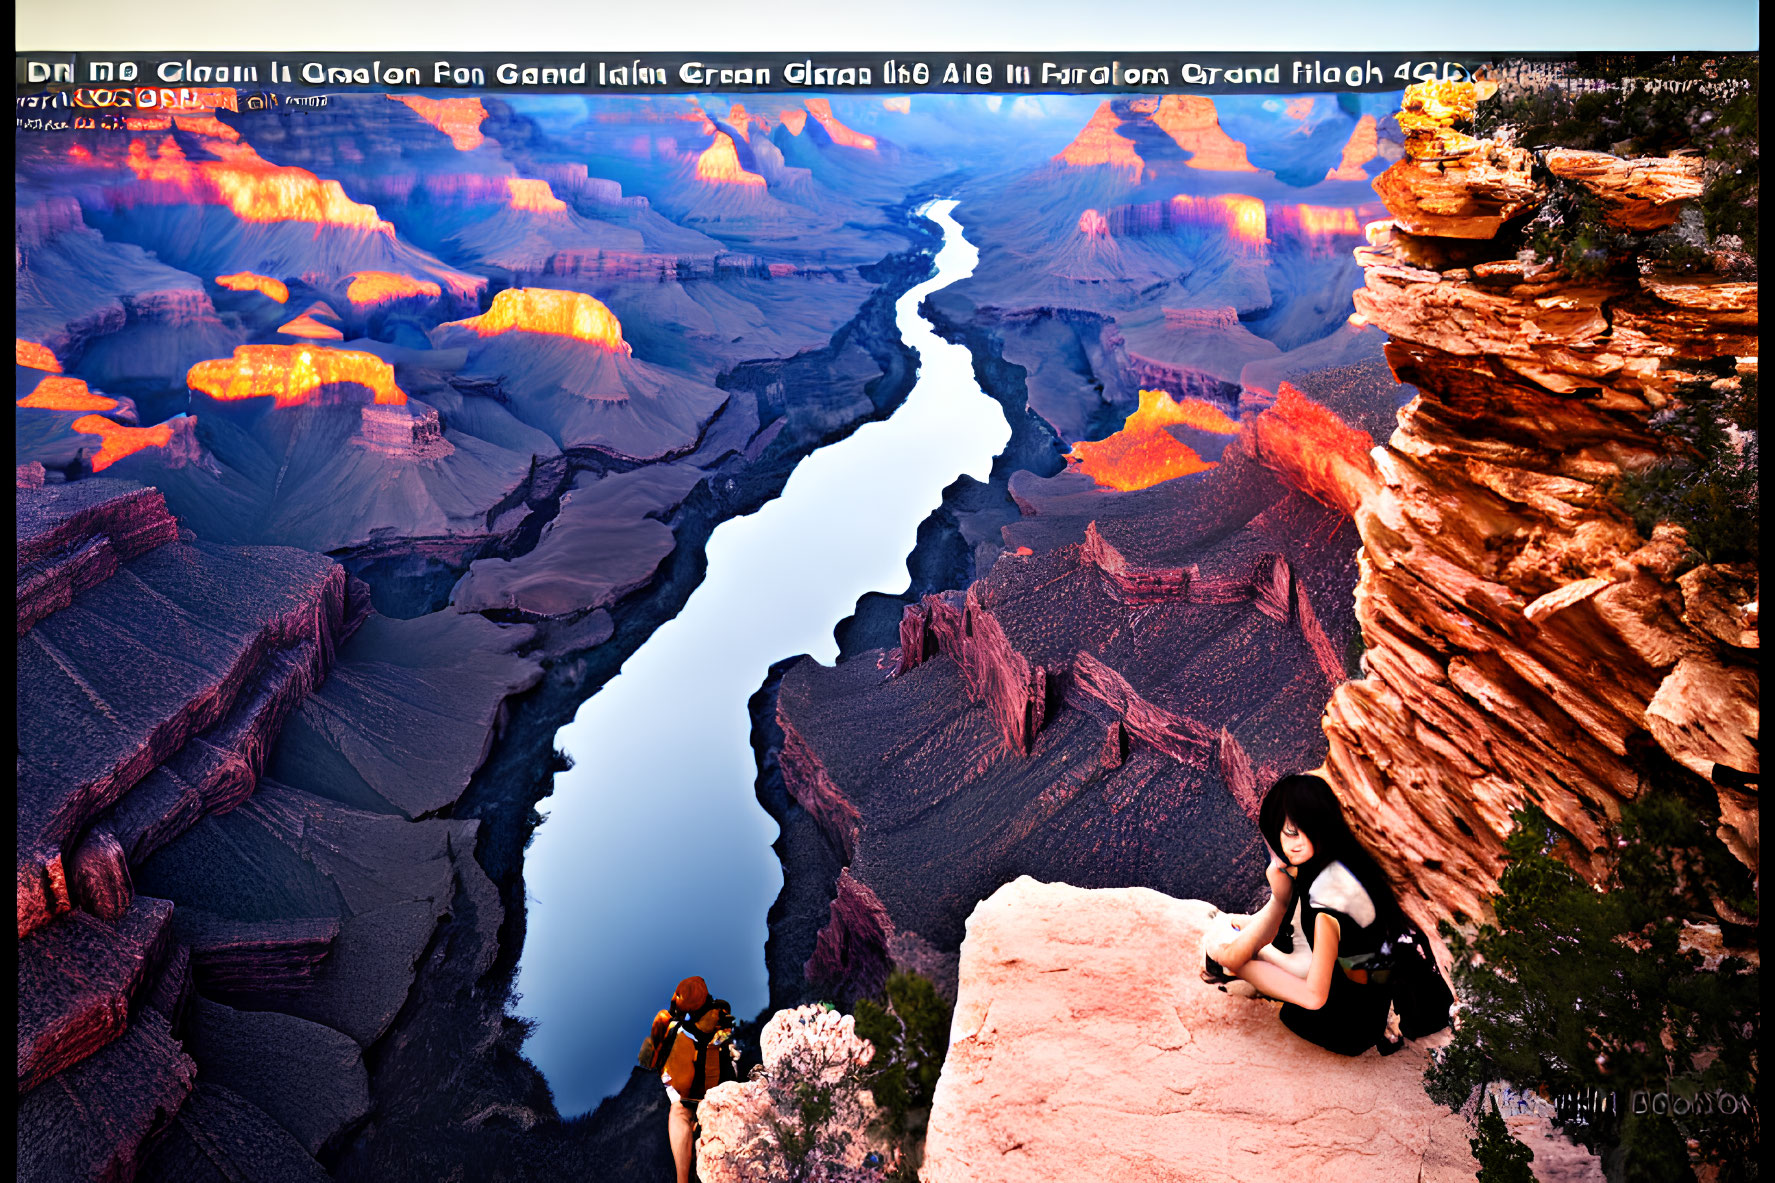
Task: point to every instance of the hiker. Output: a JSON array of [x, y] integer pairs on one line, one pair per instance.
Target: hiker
[[1362, 954], [688, 1047]]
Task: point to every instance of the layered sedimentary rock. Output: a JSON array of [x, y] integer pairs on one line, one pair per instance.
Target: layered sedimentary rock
[[160, 670], [1524, 640], [1123, 678], [1085, 1046]]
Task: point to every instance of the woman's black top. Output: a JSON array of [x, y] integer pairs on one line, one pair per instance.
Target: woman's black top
[[1354, 1016]]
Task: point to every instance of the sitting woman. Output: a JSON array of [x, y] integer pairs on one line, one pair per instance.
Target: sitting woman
[[1346, 910]]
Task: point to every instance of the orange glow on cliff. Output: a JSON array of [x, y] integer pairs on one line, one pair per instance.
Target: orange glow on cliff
[[1242, 216], [147, 123], [1143, 453], [255, 189], [534, 196], [821, 110], [207, 125], [795, 119], [56, 393], [1298, 108], [1093, 224], [741, 122], [460, 119], [380, 287], [120, 441], [1318, 220], [1314, 450], [1099, 143], [292, 374], [903, 104], [1364, 142], [1192, 121], [306, 326], [720, 165], [544, 310], [37, 357], [246, 281], [77, 152]]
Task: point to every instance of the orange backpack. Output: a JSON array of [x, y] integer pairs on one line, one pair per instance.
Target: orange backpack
[[690, 1047]]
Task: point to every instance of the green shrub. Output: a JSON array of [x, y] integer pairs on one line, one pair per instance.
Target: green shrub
[[1501, 1158], [1585, 992], [909, 1026], [1724, 129], [1708, 486]]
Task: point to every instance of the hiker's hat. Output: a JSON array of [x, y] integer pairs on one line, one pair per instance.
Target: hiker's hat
[[690, 994]]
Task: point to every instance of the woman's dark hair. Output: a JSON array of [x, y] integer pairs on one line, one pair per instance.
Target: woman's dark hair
[[1310, 804]]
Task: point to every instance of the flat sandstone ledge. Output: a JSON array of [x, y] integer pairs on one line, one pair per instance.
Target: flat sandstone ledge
[[1086, 1046]]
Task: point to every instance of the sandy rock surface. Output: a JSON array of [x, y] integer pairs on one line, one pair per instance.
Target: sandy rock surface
[[1085, 1046]]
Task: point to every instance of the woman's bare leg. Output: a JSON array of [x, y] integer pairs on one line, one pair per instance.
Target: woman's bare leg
[[678, 1132]]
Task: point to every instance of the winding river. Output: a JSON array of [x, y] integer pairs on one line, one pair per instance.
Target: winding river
[[655, 861]]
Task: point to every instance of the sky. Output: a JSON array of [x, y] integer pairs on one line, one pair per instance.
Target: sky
[[905, 25]]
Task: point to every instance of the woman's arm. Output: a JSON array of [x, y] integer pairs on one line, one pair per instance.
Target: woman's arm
[[1279, 983], [1264, 926]]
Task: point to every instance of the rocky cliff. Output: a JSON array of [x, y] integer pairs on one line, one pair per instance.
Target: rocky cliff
[[1524, 639], [1085, 1046]]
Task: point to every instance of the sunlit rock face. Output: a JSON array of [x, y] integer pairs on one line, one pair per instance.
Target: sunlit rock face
[[255, 190], [1523, 640], [1192, 122], [1100, 144], [1060, 987], [1145, 452], [66, 394], [1313, 449], [821, 110], [459, 118], [246, 281], [573, 315], [1362, 147], [720, 165], [37, 357], [292, 375]]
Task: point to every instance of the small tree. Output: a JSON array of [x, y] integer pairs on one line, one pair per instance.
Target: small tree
[[909, 1027], [1501, 1158], [1588, 992]]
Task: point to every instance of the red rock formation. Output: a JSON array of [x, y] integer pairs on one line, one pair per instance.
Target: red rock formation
[[1131, 584], [720, 165], [574, 315], [1100, 144], [121, 441], [460, 118], [246, 281], [1363, 144], [852, 948], [1312, 449], [369, 288], [810, 785], [1085, 1046], [256, 190], [1093, 224], [293, 374], [1644, 194], [821, 110], [1242, 217], [307, 326], [533, 195], [36, 357], [1521, 635], [66, 394], [1192, 121], [1143, 452]]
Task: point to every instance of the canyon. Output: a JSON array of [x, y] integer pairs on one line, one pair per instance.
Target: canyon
[[361, 449]]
